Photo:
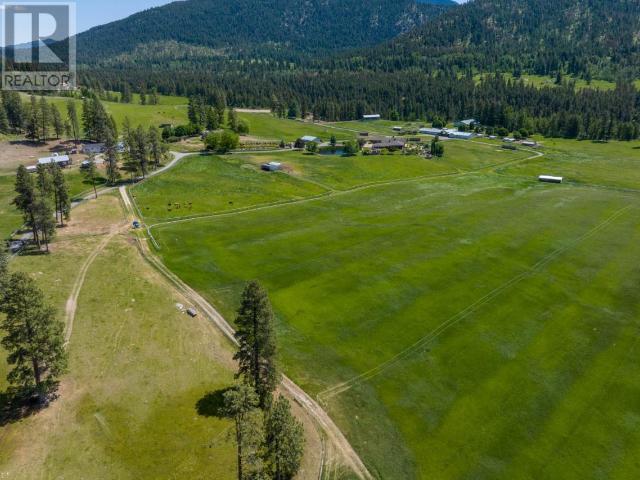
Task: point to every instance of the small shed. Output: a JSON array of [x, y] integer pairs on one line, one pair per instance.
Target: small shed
[[373, 116], [271, 167], [550, 179]]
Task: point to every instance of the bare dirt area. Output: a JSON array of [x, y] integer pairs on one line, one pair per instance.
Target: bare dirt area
[[14, 153]]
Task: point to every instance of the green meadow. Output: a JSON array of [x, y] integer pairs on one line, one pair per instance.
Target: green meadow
[[137, 401], [456, 317], [170, 110], [265, 125]]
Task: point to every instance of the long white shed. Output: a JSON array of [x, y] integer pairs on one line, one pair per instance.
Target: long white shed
[[550, 179]]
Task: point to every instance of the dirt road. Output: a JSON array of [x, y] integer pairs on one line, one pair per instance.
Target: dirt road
[[340, 445]]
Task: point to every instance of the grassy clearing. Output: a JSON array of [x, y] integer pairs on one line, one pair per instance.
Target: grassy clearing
[[171, 110], [614, 164], [138, 368], [265, 125], [10, 218], [534, 378], [547, 81], [340, 173], [208, 184]]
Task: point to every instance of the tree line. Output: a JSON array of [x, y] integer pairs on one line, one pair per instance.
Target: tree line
[[43, 200], [269, 440], [413, 94]]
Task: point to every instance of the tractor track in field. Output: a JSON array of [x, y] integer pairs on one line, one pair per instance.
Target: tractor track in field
[[313, 409], [465, 313]]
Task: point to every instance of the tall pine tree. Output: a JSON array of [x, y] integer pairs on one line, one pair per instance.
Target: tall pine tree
[[255, 333]]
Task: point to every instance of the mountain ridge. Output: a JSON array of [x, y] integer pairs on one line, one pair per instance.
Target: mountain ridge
[[309, 26]]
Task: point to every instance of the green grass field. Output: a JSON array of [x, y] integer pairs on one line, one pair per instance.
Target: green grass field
[[211, 184], [265, 125], [10, 218], [137, 371], [172, 110], [485, 324], [615, 164]]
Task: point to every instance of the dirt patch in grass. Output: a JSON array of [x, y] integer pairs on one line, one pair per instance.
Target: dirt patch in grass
[[14, 153]]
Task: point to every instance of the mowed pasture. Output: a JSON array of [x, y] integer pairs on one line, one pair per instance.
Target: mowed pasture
[[476, 324]]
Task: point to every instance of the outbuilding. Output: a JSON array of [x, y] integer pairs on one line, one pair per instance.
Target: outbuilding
[[455, 134], [271, 166], [309, 139], [61, 160], [93, 148], [374, 116], [550, 179], [431, 131], [390, 144], [468, 123]]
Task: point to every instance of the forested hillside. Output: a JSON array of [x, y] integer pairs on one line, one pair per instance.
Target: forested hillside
[[581, 37], [449, 66], [308, 26]]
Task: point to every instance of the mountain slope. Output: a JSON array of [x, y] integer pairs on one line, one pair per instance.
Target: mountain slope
[[543, 36], [308, 25]]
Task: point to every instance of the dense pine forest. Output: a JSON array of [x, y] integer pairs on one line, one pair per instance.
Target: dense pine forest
[[430, 60]]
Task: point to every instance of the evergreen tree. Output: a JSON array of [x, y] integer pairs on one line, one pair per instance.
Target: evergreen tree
[[91, 174], [111, 159], [212, 119], [25, 200], [157, 149], [61, 194], [34, 339], [233, 120], [285, 441], [140, 150], [43, 211], [256, 354], [44, 119], [56, 121], [14, 109], [4, 120], [31, 122], [72, 114], [126, 94], [241, 404], [4, 271]]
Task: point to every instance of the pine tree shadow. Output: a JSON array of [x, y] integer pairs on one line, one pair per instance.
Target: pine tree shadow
[[212, 404], [17, 404]]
